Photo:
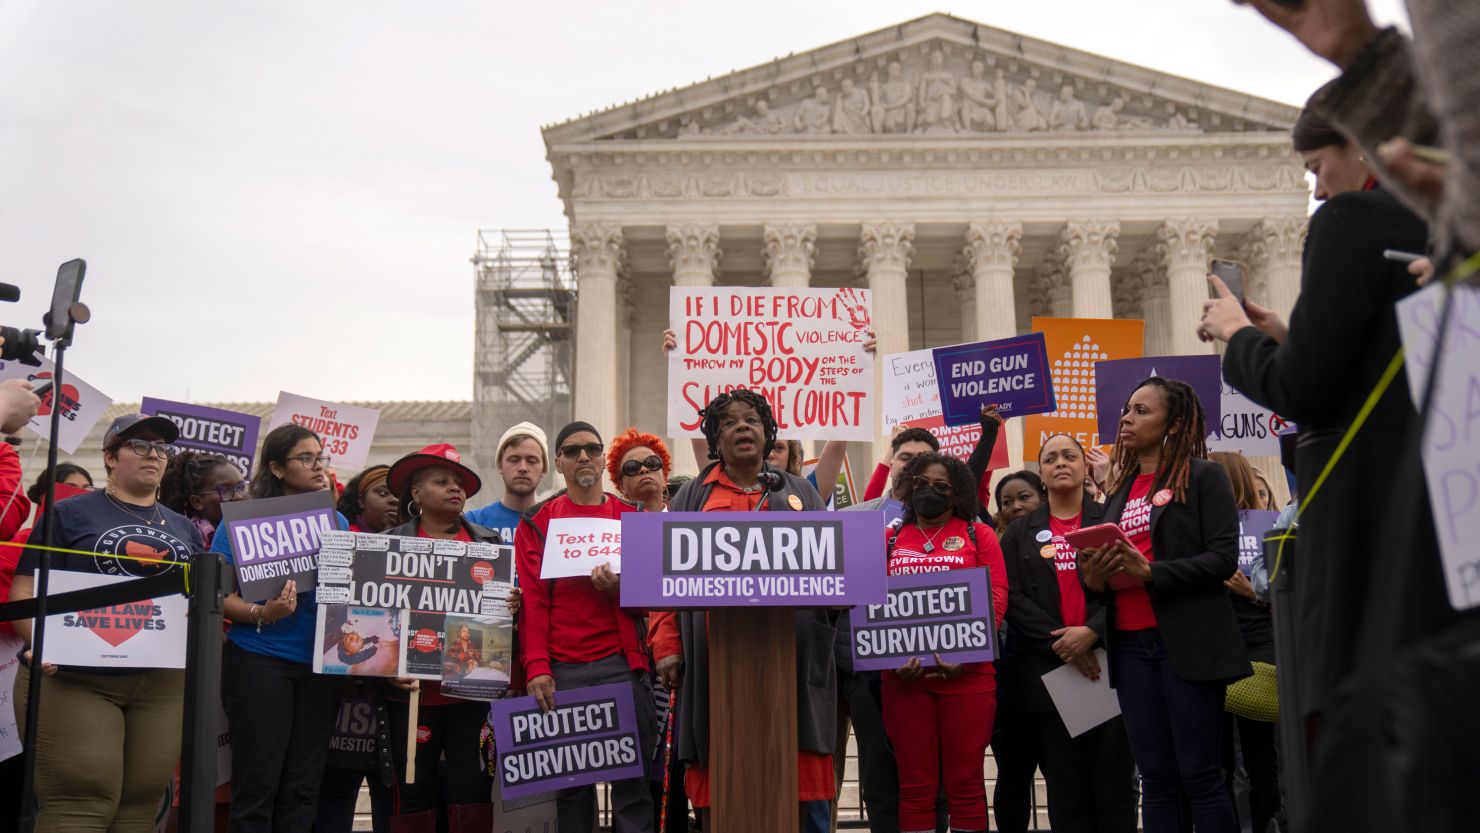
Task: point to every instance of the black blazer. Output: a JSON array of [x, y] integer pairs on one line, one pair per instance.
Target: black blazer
[[1033, 610], [1195, 544]]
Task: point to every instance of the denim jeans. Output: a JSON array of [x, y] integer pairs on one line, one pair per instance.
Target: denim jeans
[[1176, 732]]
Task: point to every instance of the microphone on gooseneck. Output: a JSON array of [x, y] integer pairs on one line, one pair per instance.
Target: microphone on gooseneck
[[772, 482]]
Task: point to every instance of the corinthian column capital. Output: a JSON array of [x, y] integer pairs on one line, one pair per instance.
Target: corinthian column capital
[[790, 250], [1185, 244], [1274, 239], [693, 252], [598, 249], [886, 247], [993, 244], [1089, 243]]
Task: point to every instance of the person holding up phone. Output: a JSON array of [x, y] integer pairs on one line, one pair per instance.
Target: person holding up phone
[[1174, 644], [939, 718], [1091, 778]]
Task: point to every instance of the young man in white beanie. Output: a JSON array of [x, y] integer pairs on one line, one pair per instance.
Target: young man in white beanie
[[523, 459]]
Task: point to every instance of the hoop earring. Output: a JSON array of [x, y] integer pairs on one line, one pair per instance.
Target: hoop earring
[[412, 509]]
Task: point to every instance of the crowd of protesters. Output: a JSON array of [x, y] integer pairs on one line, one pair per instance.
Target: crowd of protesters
[[1162, 610]]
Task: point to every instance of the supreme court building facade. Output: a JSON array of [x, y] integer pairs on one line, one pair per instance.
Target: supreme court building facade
[[970, 177]]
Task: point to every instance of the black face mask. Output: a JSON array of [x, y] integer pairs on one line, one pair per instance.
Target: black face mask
[[928, 503]]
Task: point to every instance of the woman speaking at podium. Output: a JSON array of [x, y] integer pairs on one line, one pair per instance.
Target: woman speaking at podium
[[740, 430]]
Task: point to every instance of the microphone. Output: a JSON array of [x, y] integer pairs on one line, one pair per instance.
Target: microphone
[[9, 293], [770, 480]]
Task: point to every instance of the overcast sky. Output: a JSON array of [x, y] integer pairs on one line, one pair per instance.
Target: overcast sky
[[285, 195]]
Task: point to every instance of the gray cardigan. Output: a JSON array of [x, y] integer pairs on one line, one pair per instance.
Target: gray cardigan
[[817, 644]]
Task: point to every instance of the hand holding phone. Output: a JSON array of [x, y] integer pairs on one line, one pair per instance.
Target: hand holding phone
[[1231, 272]]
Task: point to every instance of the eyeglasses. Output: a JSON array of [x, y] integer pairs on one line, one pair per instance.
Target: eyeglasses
[[143, 447], [632, 468], [573, 452], [235, 491], [307, 460], [940, 486]]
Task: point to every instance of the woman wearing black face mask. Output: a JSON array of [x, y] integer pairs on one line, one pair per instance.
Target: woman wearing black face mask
[[939, 719]]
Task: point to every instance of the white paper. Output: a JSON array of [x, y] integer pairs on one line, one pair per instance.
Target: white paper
[[82, 404], [346, 430], [10, 736], [576, 546], [909, 389], [1451, 445], [145, 634], [1083, 704]]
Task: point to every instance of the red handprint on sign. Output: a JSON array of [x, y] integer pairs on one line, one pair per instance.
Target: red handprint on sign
[[852, 301]]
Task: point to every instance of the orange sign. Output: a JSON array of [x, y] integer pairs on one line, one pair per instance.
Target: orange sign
[[1074, 345]]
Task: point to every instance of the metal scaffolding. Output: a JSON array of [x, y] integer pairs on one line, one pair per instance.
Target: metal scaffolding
[[525, 300]]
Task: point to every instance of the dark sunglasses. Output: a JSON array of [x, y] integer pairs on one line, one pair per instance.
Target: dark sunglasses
[[632, 468], [573, 452], [941, 488]]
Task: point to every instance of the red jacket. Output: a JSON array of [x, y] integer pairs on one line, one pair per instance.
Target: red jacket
[[568, 619]]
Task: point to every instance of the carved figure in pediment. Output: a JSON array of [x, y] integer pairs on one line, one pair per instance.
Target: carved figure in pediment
[[814, 115], [1179, 121], [978, 100], [1026, 114], [1004, 105], [851, 110], [894, 102], [937, 93], [766, 121], [1068, 112], [1108, 117]]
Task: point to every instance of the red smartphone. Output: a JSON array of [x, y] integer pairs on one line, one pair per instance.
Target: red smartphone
[[1098, 535]]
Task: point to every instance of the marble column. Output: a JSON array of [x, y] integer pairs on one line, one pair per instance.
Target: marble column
[[1088, 248], [885, 253], [1272, 251], [1155, 306], [965, 288], [1051, 284], [600, 259], [992, 249], [1184, 246], [790, 250], [693, 254]]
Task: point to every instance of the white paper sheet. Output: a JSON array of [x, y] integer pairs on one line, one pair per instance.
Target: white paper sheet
[[1082, 704]]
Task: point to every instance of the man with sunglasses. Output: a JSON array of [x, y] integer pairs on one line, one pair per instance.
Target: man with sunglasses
[[573, 632], [96, 716]]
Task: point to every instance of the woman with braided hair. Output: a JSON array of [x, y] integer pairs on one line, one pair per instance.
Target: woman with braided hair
[[1174, 642], [196, 483]]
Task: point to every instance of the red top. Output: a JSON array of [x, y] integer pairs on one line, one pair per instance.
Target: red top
[[951, 550], [568, 619], [1066, 569], [15, 516], [1133, 604]]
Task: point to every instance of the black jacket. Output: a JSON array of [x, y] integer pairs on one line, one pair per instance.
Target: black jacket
[[818, 643], [1195, 546], [1343, 333], [479, 533], [1033, 610]]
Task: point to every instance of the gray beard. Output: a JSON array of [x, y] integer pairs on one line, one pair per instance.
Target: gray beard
[[585, 481]]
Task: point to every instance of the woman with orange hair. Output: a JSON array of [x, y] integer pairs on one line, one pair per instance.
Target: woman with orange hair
[[639, 465]]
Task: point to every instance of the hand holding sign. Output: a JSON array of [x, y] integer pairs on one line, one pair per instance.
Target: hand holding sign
[[583, 547], [1011, 374]]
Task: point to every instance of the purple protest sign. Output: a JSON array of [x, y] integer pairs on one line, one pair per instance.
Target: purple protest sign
[[276, 539], [947, 612], [228, 433], [1011, 373], [739, 559], [1252, 524], [589, 737], [1116, 380]]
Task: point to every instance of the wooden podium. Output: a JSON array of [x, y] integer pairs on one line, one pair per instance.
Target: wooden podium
[[753, 720]]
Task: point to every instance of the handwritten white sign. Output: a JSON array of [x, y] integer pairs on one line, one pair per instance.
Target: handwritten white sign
[[10, 736], [576, 546], [1451, 445]]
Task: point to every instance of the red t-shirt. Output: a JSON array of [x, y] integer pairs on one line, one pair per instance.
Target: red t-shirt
[[1066, 569], [1132, 603], [951, 550]]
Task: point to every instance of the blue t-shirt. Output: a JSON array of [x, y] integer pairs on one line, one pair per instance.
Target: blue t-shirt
[[497, 517], [289, 638]]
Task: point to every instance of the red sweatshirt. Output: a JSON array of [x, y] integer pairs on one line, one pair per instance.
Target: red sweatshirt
[[951, 550], [568, 619]]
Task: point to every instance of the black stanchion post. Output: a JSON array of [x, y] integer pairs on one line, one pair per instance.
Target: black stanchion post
[[208, 588], [1294, 761]]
